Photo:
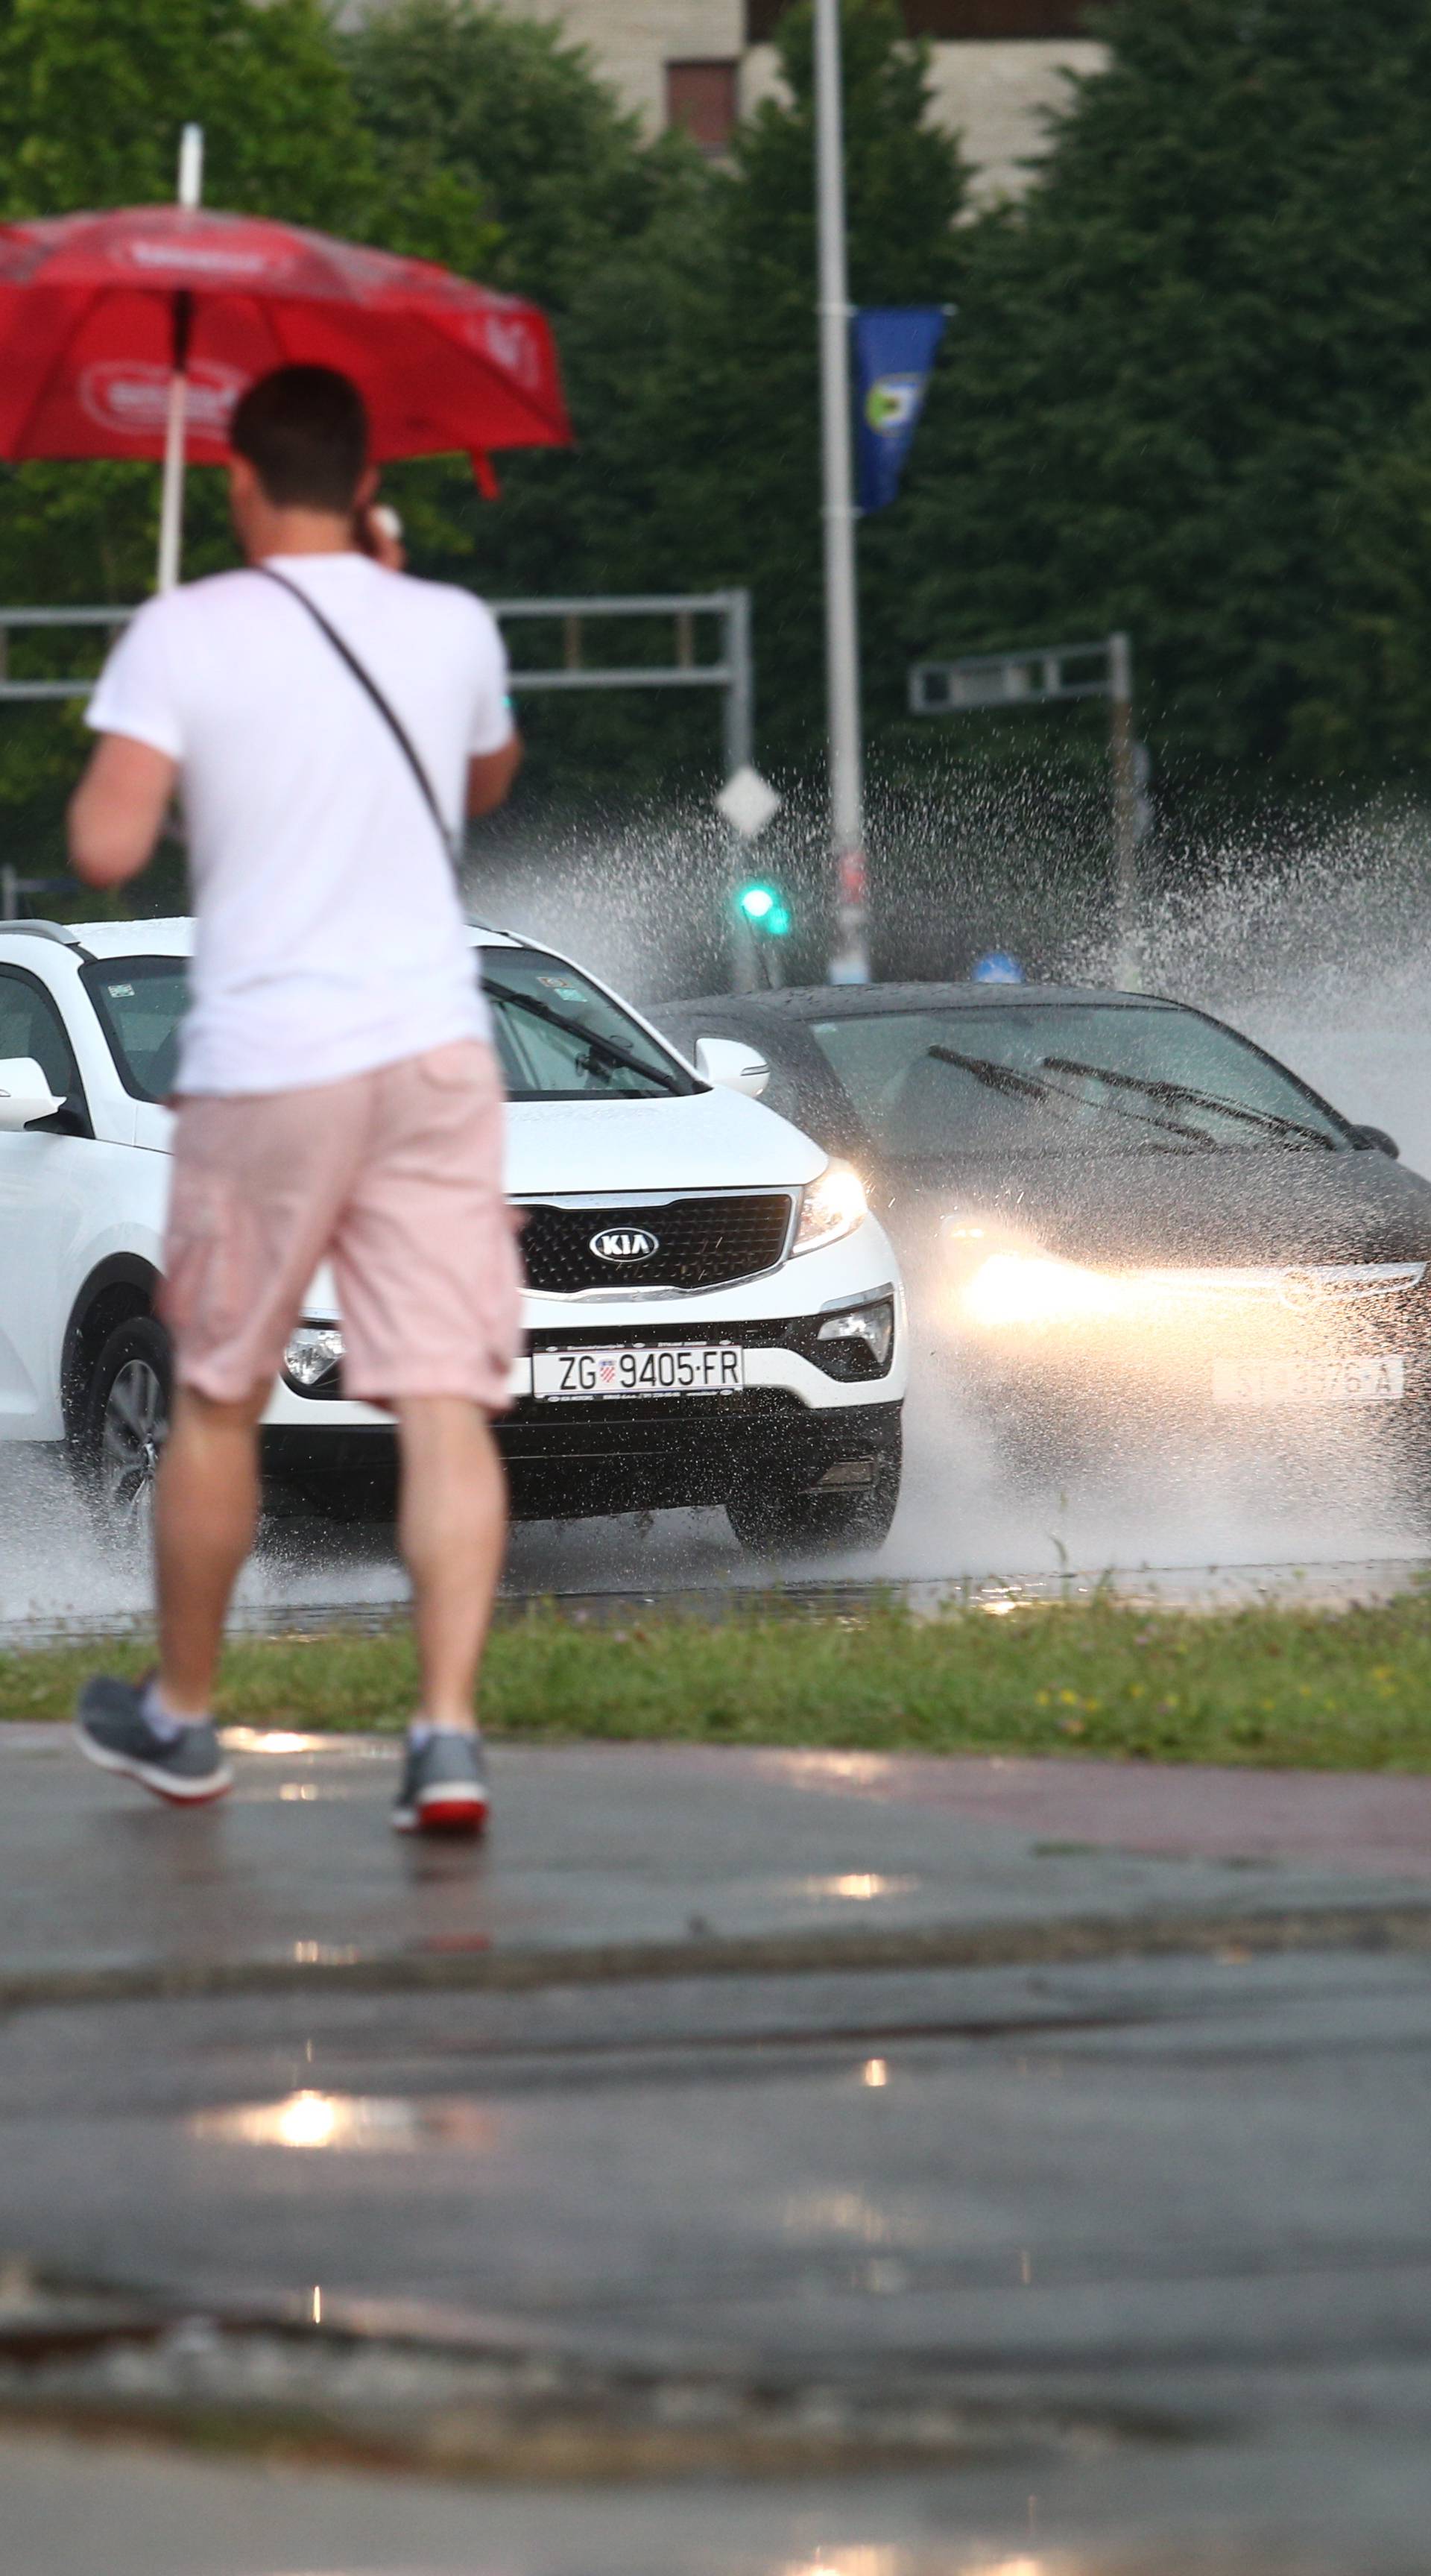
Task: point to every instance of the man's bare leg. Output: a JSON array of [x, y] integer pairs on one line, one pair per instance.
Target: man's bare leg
[[159, 1732], [452, 1530], [206, 1513]]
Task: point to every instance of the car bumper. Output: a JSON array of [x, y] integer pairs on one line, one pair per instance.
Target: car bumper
[[1229, 1393], [793, 1418], [685, 1451]]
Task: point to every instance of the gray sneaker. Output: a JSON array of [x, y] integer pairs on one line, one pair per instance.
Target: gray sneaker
[[444, 1786], [112, 1729]]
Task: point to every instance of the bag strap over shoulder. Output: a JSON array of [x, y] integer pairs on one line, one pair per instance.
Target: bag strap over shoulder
[[389, 714]]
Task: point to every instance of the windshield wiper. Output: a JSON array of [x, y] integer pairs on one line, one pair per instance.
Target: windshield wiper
[[998, 1077], [1185, 1094], [1030, 1086], [604, 1047]]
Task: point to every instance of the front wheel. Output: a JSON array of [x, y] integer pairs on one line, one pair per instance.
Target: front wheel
[[122, 1424], [770, 1520]]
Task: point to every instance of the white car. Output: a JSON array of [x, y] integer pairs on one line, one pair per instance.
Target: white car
[[712, 1315]]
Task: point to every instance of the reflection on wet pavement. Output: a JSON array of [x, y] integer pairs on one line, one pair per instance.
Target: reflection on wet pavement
[[365, 2124], [272, 1739], [1071, 2250], [859, 1887]]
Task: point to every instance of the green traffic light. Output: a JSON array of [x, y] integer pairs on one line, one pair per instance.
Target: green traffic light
[[777, 922], [758, 903]]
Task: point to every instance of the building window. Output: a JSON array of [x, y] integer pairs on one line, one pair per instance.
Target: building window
[[949, 20], [702, 97]]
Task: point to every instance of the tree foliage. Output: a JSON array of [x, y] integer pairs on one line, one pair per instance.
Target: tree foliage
[[735, 442], [1176, 366], [1187, 390], [685, 299], [513, 113], [1365, 714]]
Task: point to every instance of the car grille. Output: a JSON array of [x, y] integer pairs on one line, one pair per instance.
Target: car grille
[[701, 1242]]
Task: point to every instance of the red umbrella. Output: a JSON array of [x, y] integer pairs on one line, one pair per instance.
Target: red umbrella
[[104, 316]]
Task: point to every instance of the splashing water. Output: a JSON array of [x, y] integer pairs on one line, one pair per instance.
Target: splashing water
[[1317, 946]]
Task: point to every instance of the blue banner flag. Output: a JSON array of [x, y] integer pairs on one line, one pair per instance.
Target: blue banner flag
[[894, 346]]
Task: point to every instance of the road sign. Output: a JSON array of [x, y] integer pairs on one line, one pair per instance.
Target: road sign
[[748, 802], [1032, 679]]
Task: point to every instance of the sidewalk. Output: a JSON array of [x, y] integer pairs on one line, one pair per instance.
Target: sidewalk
[[636, 1849], [1050, 2129]]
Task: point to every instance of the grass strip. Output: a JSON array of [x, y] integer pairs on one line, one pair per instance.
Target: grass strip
[[1349, 1690]]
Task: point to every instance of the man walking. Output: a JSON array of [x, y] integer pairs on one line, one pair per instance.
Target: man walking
[[326, 721]]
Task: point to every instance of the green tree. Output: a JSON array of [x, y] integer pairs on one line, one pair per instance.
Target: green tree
[[688, 337], [1366, 711], [1212, 303], [513, 113], [683, 296], [736, 487], [92, 99], [595, 224]]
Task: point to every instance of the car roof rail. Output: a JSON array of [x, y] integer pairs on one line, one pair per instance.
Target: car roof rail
[[61, 930]]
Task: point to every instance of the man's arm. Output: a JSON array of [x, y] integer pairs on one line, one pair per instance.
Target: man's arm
[[490, 775], [117, 809]]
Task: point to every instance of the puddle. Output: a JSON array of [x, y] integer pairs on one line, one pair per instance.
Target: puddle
[[348, 2124]]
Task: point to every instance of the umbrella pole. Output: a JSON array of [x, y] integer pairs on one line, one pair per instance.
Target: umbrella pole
[[171, 506]]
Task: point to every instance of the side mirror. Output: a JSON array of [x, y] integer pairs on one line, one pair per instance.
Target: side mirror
[[24, 1094], [731, 1063], [1373, 1140]]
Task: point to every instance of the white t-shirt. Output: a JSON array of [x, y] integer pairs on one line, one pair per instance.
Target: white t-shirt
[[330, 935]]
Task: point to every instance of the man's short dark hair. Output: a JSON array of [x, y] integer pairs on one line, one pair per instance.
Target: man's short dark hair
[[304, 430]]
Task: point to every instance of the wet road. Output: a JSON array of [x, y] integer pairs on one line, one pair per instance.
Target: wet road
[[802, 2119], [1336, 2505]]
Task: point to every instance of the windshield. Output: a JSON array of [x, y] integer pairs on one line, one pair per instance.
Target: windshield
[[558, 1037], [1104, 1078]]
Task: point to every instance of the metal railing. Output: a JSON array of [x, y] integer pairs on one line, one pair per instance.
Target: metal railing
[[732, 672]]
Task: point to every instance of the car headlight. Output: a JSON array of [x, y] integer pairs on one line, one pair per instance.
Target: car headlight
[[1035, 1290], [314, 1352], [832, 1205]]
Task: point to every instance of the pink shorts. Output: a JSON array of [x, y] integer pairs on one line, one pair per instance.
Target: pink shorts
[[396, 1177]]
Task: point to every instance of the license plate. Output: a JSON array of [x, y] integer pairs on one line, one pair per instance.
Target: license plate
[[1378, 1380], [627, 1368]]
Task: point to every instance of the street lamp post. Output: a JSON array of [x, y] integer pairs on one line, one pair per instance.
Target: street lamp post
[[850, 959], [1125, 806]]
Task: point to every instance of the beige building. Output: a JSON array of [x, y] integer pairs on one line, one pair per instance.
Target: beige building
[[999, 65]]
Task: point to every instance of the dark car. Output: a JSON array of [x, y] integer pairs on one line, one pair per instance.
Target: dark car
[[1112, 1207]]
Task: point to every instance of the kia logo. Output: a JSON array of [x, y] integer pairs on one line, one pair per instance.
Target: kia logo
[[624, 1243]]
